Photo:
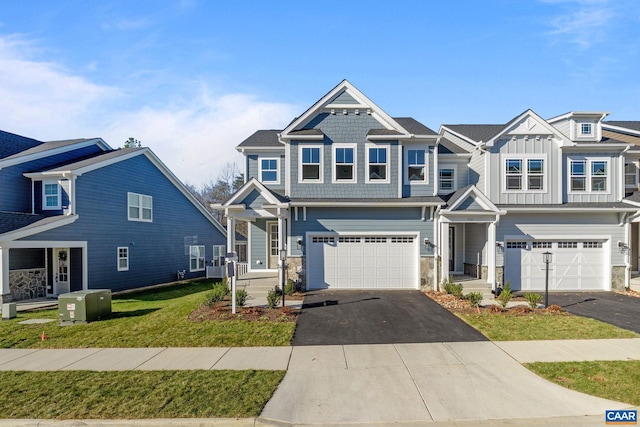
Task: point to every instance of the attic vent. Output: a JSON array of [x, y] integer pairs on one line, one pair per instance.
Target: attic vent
[[357, 112], [368, 111], [344, 111]]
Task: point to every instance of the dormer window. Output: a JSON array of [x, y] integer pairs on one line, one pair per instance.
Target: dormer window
[[586, 129], [51, 199]]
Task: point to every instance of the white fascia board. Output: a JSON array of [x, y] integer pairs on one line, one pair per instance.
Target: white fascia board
[[619, 129], [571, 114], [386, 137], [559, 137], [568, 210], [598, 147], [453, 156], [53, 152], [302, 137], [459, 135], [370, 204], [252, 184], [448, 212], [30, 231]]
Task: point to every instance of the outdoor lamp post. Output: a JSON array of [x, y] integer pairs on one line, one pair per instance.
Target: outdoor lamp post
[[547, 260]]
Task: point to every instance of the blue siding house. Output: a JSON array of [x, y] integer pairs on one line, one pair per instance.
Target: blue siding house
[[77, 214], [347, 196]]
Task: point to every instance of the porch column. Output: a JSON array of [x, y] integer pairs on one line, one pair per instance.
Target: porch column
[[491, 254], [444, 251], [5, 295]]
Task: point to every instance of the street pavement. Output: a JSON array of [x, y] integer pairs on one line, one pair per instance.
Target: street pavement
[[439, 384]]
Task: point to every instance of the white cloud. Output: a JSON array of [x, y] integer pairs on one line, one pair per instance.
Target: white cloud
[[584, 23], [194, 139]]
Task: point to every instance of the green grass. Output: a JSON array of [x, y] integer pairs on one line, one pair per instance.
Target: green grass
[[502, 327], [614, 380], [133, 394], [156, 318]]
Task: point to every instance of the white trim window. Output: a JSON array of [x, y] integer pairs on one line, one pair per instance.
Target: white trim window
[[219, 255], [140, 207], [588, 175], [269, 170], [586, 129], [310, 163], [344, 163], [630, 175], [524, 173], [196, 258], [416, 165], [51, 196], [123, 258], [377, 163], [447, 178]]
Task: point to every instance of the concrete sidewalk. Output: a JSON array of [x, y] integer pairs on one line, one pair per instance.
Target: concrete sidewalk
[[442, 384]]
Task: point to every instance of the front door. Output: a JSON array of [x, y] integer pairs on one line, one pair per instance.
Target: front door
[[61, 262], [452, 249], [272, 245]]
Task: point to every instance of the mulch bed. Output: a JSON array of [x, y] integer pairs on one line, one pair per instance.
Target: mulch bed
[[629, 293], [462, 306], [222, 311]]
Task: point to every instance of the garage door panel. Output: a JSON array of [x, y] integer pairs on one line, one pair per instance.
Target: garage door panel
[[575, 265], [362, 262]]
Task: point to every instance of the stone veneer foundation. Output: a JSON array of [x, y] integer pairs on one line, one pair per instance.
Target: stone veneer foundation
[[28, 284]]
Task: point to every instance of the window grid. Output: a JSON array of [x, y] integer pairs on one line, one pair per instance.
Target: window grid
[[517, 245], [311, 164], [269, 170], [349, 239], [567, 245], [592, 245], [541, 245], [447, 179], [344, 160], [196, 258], [514, 174], [401, 239], [416, 165], [140, 207], [123, 258], [588, 175], [586, 128], [630, 175], [377, 164], [375, 239], [321, 239]]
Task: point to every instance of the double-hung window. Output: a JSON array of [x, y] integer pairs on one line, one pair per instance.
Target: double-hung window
[[524, 174], [416, 166], [588, 175], [447, 178], [630, 175], [269, 173], [196, 258], [51, 195], [123, 258], [377, 164], [310, 164], [344, 159], [140, 207]]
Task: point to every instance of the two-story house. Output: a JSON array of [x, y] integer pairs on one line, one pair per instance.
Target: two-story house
[[76, 214], [354, 198]]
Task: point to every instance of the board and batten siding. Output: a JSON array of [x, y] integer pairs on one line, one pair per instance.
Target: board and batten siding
[[567, 226], [527, 147], [344, 129], [361, 220], [157, 250], [613, 182]]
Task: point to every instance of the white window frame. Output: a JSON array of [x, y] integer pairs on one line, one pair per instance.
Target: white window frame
[[635, 175], [525, 158], [140, 198], [198, 257], [119, 251], [387, 149], [58, 196], [454, 183], [218, 256], [581, 132], [406, 164], [320, 179], [588, 175], [354, 165], [277, 170]]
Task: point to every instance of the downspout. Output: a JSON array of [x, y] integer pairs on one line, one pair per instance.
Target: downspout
[[627, 258], [436, 248]]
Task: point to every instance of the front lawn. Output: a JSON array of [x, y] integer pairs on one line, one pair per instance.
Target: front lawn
[[133, 394], [541, 326], [614, 380], [155, 318]]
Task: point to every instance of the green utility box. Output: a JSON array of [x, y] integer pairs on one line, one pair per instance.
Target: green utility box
[[84, 306]]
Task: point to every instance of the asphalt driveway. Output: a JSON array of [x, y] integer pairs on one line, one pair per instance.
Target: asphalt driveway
[[340, 317], [616, 309]]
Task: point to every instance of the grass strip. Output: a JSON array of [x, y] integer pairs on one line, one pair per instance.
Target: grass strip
[[614, 380], [504, 327], [136, 395], [156, 318]]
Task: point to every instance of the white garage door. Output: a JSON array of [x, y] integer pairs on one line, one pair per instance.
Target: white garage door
[[575, 265], [362, 262]]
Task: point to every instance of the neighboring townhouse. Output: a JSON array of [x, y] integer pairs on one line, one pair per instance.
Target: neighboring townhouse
[[354, 198], [77, 214]]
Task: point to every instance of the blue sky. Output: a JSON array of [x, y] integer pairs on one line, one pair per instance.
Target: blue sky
[[191, 79]]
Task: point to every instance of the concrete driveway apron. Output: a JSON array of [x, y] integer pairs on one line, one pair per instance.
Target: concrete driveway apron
[[345, 317]]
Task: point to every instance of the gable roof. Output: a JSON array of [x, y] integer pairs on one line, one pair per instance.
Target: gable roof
[[45, 149], [251, 185], [11, 144], [627, 124], [31, 224], [475, 133], [98, 161], [262, 138], [447, 147], [413, 126], [10, 221], [458, 198]]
